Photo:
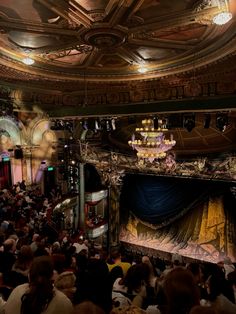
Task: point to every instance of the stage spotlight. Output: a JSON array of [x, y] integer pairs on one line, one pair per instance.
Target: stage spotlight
[[113, 124], [221, 121], [108, 125], [91, 124], [97, 125], [207, 121], [189, 122], [160, 123], [85, 124]]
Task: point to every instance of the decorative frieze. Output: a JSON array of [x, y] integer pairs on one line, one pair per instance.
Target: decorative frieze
[[120, 93], [112, 170]]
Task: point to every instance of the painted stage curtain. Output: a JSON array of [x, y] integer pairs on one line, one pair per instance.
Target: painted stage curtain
[[206, 231], [160, 201]]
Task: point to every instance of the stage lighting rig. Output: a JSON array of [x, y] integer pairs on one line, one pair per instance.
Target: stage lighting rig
[[189, 122], [62, 125]]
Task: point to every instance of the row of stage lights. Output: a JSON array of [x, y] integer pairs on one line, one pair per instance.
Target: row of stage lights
[[221, 121], [99, 124], [186, 120]]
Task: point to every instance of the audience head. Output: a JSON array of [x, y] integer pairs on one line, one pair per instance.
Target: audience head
[[94, 284], [217, 284], [196, 270], [115, 256], [65, 282], [146, 260], [203, 310], [181, 291], [24, 258], [232, 278], [87, 307], [131, 309], [40, 291], [115, 273], [9, 245], [136, 276], [41, 270]]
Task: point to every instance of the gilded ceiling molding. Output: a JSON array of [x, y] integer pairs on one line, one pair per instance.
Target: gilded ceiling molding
[[95, 42]]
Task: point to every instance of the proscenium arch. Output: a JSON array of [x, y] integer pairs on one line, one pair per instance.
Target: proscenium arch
[[11, 127]]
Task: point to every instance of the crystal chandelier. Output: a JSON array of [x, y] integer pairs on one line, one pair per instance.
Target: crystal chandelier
[[222, 18], [153, 144]]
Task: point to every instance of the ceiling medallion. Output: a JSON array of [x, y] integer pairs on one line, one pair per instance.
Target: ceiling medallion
[[104, 38]]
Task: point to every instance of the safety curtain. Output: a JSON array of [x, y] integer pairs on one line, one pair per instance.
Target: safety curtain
[[190, 217]]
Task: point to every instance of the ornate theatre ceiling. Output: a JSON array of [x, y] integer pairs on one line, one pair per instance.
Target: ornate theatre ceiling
[[118, 57], [92, 42]]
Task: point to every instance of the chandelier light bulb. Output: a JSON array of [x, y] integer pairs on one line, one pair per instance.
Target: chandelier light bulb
[[153, 144], [28, 61], [222, 18], [142, 69]]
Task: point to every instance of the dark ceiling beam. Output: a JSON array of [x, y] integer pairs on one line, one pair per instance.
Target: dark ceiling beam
[[69, 13], [128, 55], [119, 12], [160, 43], [92, 58], [110, 6], [54, 8], [134, 8], [187, 17], [40, 28], [79, 12], [188, 105]]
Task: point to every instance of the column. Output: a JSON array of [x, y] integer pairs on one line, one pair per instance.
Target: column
[[80, 215], [113, 180]]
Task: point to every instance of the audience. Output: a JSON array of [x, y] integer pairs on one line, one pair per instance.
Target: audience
[[48, 270], [38, 296]]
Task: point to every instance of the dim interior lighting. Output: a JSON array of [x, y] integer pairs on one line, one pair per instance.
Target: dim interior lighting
[[28, 61], [222, 18]]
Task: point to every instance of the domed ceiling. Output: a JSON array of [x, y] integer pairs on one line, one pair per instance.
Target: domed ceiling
[[122, 57], [110, 40]]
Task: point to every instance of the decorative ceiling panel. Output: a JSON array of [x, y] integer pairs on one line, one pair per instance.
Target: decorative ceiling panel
[[74, 40]]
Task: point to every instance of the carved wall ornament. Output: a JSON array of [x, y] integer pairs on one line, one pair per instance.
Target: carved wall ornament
[[201, 167], [202, 5], [112, 176], [193, 89]]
